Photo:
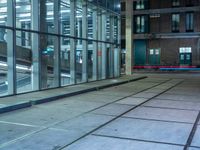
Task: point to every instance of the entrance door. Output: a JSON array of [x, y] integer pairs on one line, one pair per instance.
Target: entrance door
[[185, 56], [154, 56], [140, 52]]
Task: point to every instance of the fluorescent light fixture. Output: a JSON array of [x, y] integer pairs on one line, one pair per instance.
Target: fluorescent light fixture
[[25, 15], [3, 16], [3, 9], [50, 13], [24, 20], [65, 75], [49, 18], [65, 11], [3, 1], [23, 68], [17, 7], [49, 4], [3, 64]]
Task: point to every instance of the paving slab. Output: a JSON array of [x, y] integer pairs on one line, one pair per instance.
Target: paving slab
[[39, 116], [74, 104], [196, 138], [184, 91], [106, 143], [193, 98], [163, 114], [145, 95], [173, 104], [132, 101], [176, 133], [84, 123], [112, 109], [194, 148], [49, 139], [10, 131], [155, 90], [114, 93]]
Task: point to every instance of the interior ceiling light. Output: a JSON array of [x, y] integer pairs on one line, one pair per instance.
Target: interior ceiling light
[[3, 1]]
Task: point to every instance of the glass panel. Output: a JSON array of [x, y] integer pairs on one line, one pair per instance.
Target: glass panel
[[157, 51], [47, 66], [116, 29], [182, 57], [175, 22], [65, 42], [3, 12], [3, 64], [108, 28], [23, 61], [188, 49], [151, 51], [23, 14], [65, 62], [79, 61], [90, 59], [79, 18], [50, 16], [188, 57], [175, 3], [189, 22], [90, 22]]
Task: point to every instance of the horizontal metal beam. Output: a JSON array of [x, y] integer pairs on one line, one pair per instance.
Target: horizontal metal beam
[[165, 10], [167, 35]]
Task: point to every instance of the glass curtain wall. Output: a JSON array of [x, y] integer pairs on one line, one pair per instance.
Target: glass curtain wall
[[52, 43]]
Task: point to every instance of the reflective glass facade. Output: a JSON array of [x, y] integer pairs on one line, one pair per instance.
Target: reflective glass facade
[[52, 43]]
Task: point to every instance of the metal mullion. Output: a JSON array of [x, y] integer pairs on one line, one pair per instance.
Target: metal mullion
[[72, 42], [57, 62], [11, 47]]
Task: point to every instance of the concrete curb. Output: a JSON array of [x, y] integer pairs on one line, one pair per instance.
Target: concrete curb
[[54, 98], [15, 107]]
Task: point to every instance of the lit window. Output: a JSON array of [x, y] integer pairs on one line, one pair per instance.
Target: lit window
[[175, 3], [142, 4], [185, 50], [175, 22], [141, 24], [190, 22]]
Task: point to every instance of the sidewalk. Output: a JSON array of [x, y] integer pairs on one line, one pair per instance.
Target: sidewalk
[[11, 103]]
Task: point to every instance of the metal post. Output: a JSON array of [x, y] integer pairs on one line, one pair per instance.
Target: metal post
[[104, 46], [57, 74], [129, 37], [99, 20], [118, 68], [85, 43], [43, 40], [111, 47], [11, 47], [72, 42], [36, 59], [95, 46]]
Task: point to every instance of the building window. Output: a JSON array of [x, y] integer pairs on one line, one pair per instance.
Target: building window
[[189, 22], [175, 3], [141, 24], [189, 3], [142, 4], [185, 55], [175, 22], [123, 6]]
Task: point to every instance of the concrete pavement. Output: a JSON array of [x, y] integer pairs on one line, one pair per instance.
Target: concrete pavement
[[161, 112]]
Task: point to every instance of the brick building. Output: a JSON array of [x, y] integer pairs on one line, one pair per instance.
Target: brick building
[[161, 32]]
